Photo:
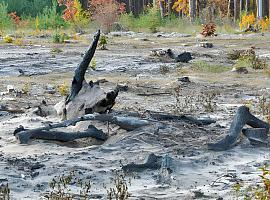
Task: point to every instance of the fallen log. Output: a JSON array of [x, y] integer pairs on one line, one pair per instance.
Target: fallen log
[[127, 123], [169, 117], [152, 162], [23, 135], [256, 136], [242, 117]]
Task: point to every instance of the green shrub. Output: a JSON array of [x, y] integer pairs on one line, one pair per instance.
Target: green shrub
[[127, 20], [182, 25], [203, 66], [58, 37], [5, 20], [50, 18], [27, 7], [151, 20]]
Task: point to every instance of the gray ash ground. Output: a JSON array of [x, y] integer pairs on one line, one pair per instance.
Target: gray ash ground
[[197, 172]]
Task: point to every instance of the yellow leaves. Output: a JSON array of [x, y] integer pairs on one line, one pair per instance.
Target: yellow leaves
[[263, 24], [181, 5], [8, 39], [249, 22], [37, 24], [63, 89]]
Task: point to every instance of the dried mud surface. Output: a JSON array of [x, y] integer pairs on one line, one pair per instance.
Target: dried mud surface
[[196, 170]]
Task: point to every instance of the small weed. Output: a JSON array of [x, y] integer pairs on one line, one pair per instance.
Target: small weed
[[18, 42], [26, 88], [257, 63], [203, 66], [63, 89], [59, 37], [197, 101], [120, 189], [56, 50], [4, 192], [164, 69], [62, 188], [247, 58], [264, 107], [258, 191], [8, 39], [93, 64], [103, 41]]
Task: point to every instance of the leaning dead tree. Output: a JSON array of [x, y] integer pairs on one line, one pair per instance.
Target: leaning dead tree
[[86, 98], [257, 134]]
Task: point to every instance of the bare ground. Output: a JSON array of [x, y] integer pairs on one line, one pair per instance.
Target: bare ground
[[127, 62]]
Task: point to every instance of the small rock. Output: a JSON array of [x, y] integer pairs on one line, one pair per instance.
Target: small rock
[[10, 88], [50, 89], [36, 166], [206, 45], [34, 174], [117, 26], [236, 95], [240, 70], [123, 88], [184, 79]]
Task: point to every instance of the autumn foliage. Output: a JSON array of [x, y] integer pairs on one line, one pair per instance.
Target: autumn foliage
[[209, 29], [15, 18], [250, 23], [181, 6], [106, 12], [74, 13]]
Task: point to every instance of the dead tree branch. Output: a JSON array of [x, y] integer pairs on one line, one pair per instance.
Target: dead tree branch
[[127, 123], [242, 117], [81, 69]]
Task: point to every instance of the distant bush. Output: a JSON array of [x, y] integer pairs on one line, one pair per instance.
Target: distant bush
[[106, 13], [151, 19], [5, 19], [27, 7], [127, 20], [49, 18], [74, 14], [250, 23], [203, 66]]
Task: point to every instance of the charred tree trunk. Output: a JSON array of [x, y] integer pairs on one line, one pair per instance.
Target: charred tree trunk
[[162, 9], [235, 11], [192, 10], [242, 117], [127, 123], [78, 78], [247, 6], [240, 8], [170, 5], [86, 98]]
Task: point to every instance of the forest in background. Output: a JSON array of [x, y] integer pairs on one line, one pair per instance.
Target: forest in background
[[143, 15]]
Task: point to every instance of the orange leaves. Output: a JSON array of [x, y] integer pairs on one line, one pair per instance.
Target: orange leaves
[[15, 18], [70, 11], [181, 5], [106, 12], [209, 29], [97, 4]]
